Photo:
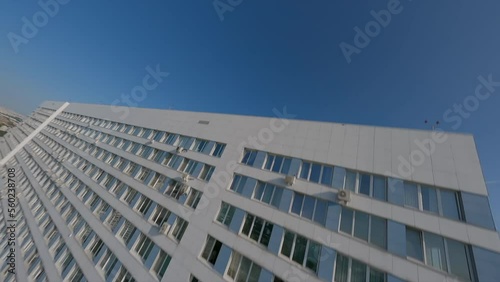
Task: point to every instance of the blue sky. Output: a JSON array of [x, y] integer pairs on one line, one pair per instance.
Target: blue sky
[[266, 54]]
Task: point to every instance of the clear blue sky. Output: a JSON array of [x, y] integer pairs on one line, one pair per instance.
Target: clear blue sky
[[266, 54]]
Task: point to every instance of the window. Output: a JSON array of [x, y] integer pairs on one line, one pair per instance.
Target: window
[[238, 183], [429, 199], [351, 270], [206, 172], [369, 228], [193, 198], [144, 247], [226, 213], [160, 215], [161, 264], [157, 181], [249, 157], [96, 247], [268, 193], [414, 244], [144, 204], [364, 184], [301, 250], [219, 149], [242, 269], [199, 145], [277, 164], [211, 250], [450, 204], [257, 229], [180, 226], [380, 188], [411, 195], [309, 207], [130, 195]]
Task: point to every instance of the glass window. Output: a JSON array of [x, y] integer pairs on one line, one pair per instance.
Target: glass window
[[226, 213], [449, 204], [411, 195], [313, 255], [414, 244], [315, 173], [378, 231], [299, 250], [327, 175], [269, 161], [249, 157], [308, 208], [320, 212], [286, 165], [346, 221], [364, 186], [278, 192], [361, 225], [277, 163], [338, 177], [304, 172], [460, 263], [434, 251], [380, 188], [350, 180], [211, 250], [297, 203], [342, 268], [238, 183], [358, 271], [376, 276], [286, 246], [429, 199]]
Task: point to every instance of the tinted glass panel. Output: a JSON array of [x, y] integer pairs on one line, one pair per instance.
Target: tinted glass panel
[[449, 204], [358, 271], [313, 256], [315, 172], [459, 263], [338, 177], [361, 225], [320, 212], [308, 208], [341, 268], [300, 249], [434, 251], [278, 192], [414, 244], [429, 199], [327, 176], [277, 163], [286, 247], [364, 186], [346, 221], [350, 181], [411, 195], [304, 172], [379, 188], [378, 234], [297, 203], [286, 165]]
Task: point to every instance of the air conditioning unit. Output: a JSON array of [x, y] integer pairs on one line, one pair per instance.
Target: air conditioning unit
[[181, 150], [185, 178], [289, 180], [150, 142], [164, 228], [344, 196]]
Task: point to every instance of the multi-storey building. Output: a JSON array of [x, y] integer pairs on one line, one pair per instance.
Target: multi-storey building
[[126, 194]]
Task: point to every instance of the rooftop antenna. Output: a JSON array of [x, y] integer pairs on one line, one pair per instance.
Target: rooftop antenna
[[433, 126]]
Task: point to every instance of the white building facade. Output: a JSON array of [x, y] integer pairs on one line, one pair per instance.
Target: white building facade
[[128, 194]]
